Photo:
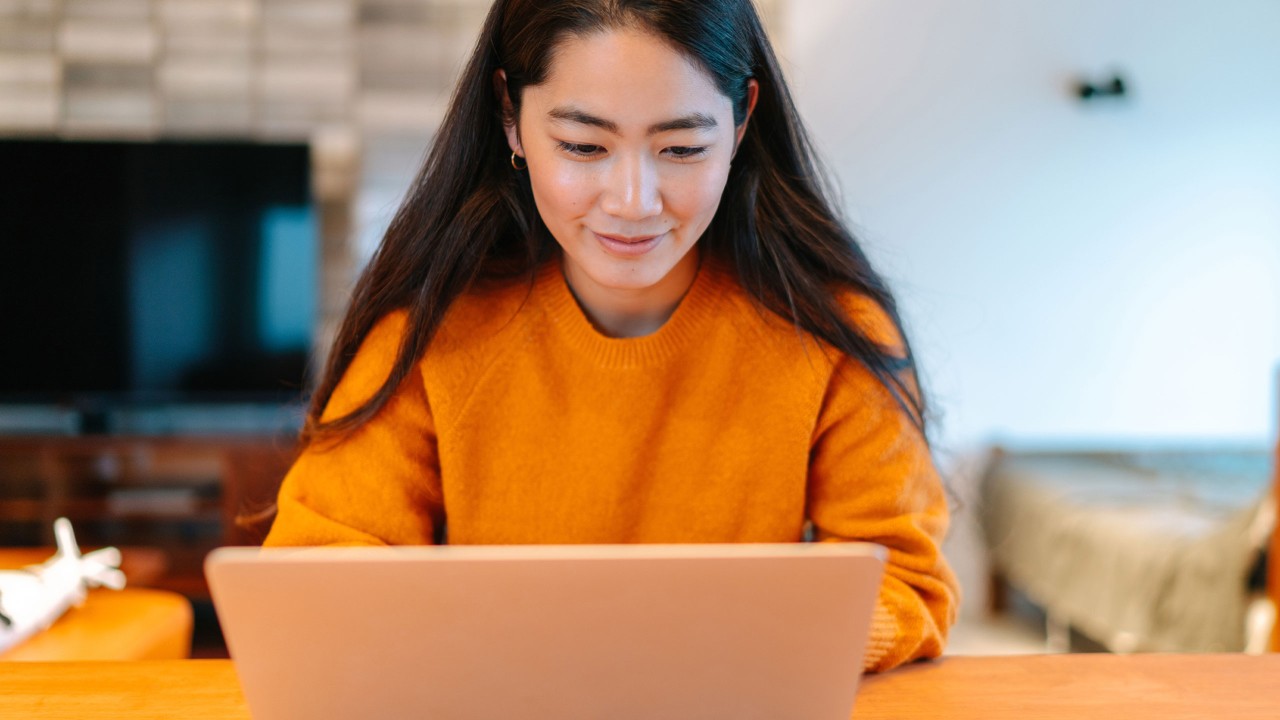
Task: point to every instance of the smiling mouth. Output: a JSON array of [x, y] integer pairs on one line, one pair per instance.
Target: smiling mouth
[[628, 246], [634, 240]]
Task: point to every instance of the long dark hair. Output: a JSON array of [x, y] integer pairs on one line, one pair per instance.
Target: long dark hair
[[468, 215]]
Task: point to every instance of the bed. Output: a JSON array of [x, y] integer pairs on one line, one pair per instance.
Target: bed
[[1141, 551]]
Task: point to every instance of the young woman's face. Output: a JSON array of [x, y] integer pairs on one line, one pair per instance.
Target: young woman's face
[[628, 146]]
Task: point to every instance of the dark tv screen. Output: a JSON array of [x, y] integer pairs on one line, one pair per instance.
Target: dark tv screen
[[155, 270]]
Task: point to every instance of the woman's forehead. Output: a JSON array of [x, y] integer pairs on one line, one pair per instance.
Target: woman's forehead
[[628, 77]]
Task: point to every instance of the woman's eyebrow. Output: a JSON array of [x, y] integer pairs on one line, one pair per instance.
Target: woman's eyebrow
[[692, 121]]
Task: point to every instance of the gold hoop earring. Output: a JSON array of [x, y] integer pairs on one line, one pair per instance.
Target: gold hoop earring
[[514, 156]]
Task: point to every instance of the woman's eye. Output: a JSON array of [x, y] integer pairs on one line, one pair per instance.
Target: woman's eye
[[581, 149], [686, 152]]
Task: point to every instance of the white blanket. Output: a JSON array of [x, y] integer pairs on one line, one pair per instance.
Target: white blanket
[[1142, 552]]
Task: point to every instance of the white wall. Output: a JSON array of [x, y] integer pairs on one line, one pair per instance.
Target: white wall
[[1069, 272]]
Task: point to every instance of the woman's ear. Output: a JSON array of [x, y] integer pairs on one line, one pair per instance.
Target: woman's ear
[[753, 94], [509, 125]]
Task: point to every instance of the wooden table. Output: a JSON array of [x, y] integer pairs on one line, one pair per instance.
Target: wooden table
[[1093, 687], [1083, 687]]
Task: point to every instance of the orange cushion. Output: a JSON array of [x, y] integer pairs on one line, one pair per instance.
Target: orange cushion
[[130, 624]]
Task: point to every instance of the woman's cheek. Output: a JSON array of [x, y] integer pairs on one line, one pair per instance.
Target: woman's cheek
[[572, 186], [695, 197]]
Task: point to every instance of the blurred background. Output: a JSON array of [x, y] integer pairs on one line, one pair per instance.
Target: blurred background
[[1078, 206]]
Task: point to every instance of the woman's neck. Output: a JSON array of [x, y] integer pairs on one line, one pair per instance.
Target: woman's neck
[[629, 313]]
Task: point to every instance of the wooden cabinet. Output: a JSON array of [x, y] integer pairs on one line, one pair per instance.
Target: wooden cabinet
[[181, 495]]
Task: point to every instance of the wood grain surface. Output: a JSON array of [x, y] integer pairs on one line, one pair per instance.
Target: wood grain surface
[[149, 690], [1088, 687], [1082, 686]]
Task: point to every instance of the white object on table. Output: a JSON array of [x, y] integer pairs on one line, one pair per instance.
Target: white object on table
[[32, 598]]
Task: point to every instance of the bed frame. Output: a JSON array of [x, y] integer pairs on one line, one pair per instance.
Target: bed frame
[[1273, 552]]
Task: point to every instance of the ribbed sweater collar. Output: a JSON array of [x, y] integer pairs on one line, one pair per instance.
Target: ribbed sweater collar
[[695, 310]]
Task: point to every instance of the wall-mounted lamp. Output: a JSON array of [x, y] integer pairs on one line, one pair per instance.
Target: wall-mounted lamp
[[1116, 87]]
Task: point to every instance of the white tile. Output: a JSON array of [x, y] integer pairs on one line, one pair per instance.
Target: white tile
[[30, 9], [29, 69], [331, 82], [275, 117], [208, 14], [181, 41], [207, 117], [295, 40], [27, 36], [210, 76], [392, 50], [282, 130], [28, 109], [125, 107], [308, 13], [395, 12], [115, 41], [386, 111], [107, 9], [110, 114], [108, 130], [114, 77]]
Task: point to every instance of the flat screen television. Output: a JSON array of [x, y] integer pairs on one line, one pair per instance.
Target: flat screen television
[[155, 272]]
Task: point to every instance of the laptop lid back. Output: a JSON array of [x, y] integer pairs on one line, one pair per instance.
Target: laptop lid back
[[563, 632]]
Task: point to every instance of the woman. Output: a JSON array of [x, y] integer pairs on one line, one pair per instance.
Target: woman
[[616, 307]]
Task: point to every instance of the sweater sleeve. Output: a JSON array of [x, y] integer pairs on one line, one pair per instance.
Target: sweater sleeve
[[381, 484], [872, 479]]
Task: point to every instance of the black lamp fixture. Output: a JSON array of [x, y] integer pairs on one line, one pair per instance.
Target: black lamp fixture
[[1116, 87]]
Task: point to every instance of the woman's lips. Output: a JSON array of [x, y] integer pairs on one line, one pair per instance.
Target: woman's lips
[[628, 246]]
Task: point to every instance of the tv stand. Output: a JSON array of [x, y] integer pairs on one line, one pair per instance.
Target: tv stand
[[183, 494]]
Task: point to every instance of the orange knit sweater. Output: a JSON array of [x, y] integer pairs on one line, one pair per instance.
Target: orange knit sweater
[[523, 424]]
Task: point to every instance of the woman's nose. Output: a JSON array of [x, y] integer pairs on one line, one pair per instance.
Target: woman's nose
[[633, 190]]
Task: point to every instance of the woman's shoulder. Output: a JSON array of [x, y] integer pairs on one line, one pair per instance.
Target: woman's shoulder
[[870, 318], [860, 310], [481, 312], [487, 312]]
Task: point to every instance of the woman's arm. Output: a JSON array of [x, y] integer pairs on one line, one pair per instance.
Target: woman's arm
[[381, 484], [872, 479]]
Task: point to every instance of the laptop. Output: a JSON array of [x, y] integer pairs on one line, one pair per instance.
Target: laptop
[[662, 632]]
